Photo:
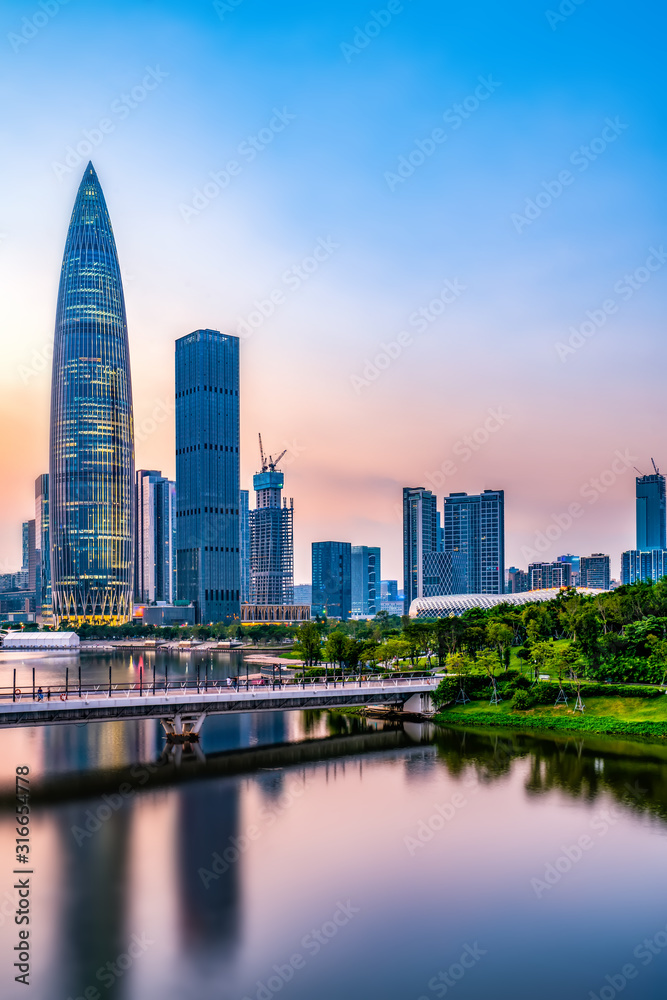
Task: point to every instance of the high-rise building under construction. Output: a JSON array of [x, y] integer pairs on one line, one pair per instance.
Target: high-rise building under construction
[[271, 538]]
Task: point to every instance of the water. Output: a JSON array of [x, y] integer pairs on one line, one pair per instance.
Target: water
[[397, 863]]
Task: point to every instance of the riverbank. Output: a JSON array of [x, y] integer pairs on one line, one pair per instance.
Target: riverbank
[[637, 717]]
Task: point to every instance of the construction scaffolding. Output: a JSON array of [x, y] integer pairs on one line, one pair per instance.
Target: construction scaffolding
[[271, 538]]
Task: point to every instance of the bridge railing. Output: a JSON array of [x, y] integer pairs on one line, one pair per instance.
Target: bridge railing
[[150, 687]]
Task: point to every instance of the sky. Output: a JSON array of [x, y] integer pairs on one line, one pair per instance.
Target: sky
[[439, 229]]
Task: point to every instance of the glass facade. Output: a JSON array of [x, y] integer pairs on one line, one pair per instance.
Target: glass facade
[[332, 579], [208, 535], [92, 432], [43, 558], [651, 505], [366, 573], [420, 536], [155, 538], [475, 526], [245, 546]]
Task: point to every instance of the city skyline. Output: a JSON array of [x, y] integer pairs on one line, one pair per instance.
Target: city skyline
[[375, 256]]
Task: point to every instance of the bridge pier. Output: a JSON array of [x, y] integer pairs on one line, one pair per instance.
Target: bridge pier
[[183, 728]]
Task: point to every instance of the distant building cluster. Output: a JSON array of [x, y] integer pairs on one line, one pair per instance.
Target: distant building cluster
[[108, 544]]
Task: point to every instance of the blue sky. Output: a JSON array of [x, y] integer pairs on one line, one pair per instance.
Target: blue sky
[[348, 118]]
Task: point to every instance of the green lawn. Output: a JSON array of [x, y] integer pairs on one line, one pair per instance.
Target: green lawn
[[630, 716]]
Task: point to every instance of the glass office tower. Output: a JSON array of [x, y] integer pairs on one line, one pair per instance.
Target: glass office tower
[[420, 536], [366, 572], [332, 579], [91, 478], [475, 526], [208, 560], [650, 506], [43, 584]]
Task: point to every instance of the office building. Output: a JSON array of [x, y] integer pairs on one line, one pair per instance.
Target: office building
[[518, 581], [91, 471], [244, 527], [43, 555], [208, 566], [475, 526], [650, 507], [574, 568], [548, 576], [366, 595], [332, 579], [271, 538], [155, 538], [420, 536], [638, 566], [444, 573], [25, 546], [594, 571], [303, 593]]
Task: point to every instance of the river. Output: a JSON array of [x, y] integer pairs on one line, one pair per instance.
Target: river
[[314, 855]]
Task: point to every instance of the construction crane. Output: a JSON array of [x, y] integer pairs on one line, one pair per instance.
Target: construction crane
[[655, 468], [268, 462]]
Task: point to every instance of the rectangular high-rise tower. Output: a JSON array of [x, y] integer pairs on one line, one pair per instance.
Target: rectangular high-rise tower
[[651, 507], [332, 579], [475, 526], [366, 572], [420, 537], [271, 539], [207, 474], [43, 557], [244, 526], [155, 538]]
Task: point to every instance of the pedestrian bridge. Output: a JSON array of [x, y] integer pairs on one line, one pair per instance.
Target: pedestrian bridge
[[183, 709]]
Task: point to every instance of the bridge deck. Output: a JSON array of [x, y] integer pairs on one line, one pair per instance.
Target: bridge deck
[[101, 706]]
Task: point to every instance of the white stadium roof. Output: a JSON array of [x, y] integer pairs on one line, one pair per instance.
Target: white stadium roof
[[453, 605]]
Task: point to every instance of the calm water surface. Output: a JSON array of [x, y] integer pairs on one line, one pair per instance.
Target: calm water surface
[[397, 863]]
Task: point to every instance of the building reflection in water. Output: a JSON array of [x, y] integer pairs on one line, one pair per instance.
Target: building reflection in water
[[93, 913]]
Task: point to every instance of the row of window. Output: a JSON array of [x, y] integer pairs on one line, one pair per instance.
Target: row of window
[[207, 388], [222, 595], [218, 548], [207, 510], [207, 447]]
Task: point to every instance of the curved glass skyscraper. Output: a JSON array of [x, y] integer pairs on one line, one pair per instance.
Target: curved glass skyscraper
[[92, 430]]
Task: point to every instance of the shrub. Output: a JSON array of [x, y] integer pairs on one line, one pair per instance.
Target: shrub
[[522, 700]]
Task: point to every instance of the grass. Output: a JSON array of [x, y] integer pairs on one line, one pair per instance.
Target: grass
[[628, 716]]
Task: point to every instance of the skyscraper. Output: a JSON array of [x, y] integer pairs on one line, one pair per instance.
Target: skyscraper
[[91, 476], [332, 579], [244, 527], [207, 474], [271, 538], [636, 565], [594, 571], [155, 538], [365, 567], [43, 583], [475, 526], [420, 536], [650, 506], [25, 546]]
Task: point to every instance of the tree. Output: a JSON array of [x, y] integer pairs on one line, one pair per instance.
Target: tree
[[501, 636], [309, 643], [336, 647]]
